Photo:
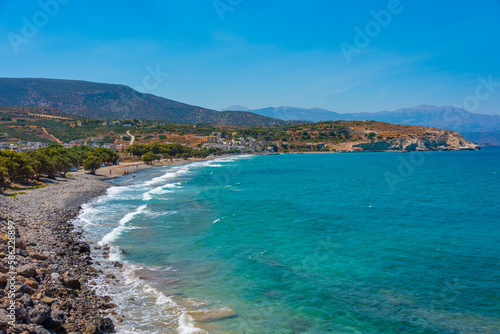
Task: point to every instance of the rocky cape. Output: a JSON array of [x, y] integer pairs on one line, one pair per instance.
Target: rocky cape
[[373, 136], [435, 140], [480, 128]]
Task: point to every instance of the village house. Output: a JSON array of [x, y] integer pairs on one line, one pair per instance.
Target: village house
[[76, 142], [212, 140]]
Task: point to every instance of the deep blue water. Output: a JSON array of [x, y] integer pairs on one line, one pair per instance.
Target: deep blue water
[[309, 243]]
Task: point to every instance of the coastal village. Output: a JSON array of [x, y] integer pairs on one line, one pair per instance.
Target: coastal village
[[24, 129], [215, 140]]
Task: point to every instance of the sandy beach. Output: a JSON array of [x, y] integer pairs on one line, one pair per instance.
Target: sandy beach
[[137, 166]]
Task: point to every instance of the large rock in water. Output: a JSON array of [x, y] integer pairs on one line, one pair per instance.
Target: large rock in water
[[212, 314], [107, 326]]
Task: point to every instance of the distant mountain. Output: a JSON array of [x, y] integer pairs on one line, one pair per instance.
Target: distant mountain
[[449, 118], [293, 114], [484, 129], [236, 108], [108, 101]]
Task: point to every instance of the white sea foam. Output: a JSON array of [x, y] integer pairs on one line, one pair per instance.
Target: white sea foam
[[87, 214], [153, 214], [177, 171], [186, 325], [135, 285], [115, 233], [161, 190], [112, 193], [155, 305], [170, 174]]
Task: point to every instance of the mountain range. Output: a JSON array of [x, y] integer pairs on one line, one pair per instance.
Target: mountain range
[[111, 101], [108, 101], [484, 129]]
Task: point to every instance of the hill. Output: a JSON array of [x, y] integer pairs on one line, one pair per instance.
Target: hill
[[50, 125], [108, 101], [368, 135], [480, 128]]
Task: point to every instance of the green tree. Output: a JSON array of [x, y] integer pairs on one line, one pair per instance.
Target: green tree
[[136, 149], [106, 155], [92, 163], [4, 178], [150, 157], [17, 166]]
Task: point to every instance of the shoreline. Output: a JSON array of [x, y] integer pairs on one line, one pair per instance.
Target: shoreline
[[54, 264], [116, 171]]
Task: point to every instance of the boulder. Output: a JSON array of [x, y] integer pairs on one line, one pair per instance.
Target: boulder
[[56, 319], [108, 306], [117, 264], [4, 318], [32, 283], [27, 289], [91, 329], [22, 252], [22, 313], [107, 326], [41, 330], [47, 300], [38, 256], [27, 271], [39, 314], [84, 248], [72, 283], [27, 300]]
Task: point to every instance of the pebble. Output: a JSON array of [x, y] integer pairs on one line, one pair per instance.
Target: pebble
[[52, 293]]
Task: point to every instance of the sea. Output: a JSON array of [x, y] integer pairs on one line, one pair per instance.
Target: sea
[[303, 243]]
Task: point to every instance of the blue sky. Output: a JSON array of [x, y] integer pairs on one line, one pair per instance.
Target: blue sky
[[265, 53]]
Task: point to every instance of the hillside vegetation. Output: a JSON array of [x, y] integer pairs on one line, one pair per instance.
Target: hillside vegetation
[[49, 125], [108, 101], [28, 124], [369, 135]]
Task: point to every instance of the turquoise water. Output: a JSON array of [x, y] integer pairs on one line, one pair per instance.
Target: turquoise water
[[311, 243]]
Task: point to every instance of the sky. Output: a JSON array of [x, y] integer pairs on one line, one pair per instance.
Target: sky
[[343, 56]]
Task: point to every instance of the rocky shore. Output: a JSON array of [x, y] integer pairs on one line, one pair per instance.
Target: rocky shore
[[53, 265]]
